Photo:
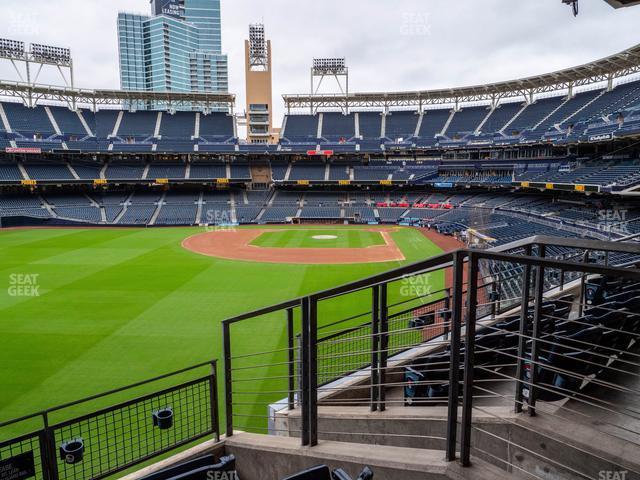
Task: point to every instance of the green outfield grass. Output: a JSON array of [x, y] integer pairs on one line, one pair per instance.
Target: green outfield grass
[[304, 238], [84, 311]]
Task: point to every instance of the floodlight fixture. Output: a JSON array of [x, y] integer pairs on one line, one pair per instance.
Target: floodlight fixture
[[333, 68], [11, 49], [50, 54], [329, 66], [258, 49]]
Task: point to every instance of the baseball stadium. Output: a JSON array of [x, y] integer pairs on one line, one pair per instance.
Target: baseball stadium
[[430, 284]]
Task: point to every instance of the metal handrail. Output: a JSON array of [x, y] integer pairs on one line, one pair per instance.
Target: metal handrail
[[526, 253]]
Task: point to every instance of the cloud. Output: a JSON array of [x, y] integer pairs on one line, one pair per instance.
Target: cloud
[[389, 46]]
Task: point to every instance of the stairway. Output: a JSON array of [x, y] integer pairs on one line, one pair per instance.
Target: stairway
[[446, 125], [513, 119], [5, 119]]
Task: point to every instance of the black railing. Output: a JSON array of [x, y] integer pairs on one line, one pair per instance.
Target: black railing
[[338, 363], [340, 347], [536, 327], [63, 444], [344, 347], [346, 350]]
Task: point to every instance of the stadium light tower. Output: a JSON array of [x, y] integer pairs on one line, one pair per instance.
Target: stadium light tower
[[39, 56], [259, 90], [330, 67]]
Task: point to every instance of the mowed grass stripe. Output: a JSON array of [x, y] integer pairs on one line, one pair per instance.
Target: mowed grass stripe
[[48, 243], [130, 317], [78, 257], [22, 237]]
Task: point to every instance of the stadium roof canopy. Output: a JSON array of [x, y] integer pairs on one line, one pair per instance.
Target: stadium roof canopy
[[623, 3], [604, 70], [32, 94]]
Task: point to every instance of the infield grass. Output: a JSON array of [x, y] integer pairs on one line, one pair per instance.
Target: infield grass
[[116, 306]]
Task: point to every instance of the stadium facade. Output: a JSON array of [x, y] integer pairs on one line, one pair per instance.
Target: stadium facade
[[178, 48], [572, 132]]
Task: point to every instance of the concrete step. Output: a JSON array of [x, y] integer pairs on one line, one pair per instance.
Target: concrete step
[[266, 457]]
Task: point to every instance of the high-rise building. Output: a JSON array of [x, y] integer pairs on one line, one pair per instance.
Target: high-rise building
[[177, 48], [259, 86]]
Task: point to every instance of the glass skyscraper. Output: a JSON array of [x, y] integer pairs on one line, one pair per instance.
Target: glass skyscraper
[[177, 48]]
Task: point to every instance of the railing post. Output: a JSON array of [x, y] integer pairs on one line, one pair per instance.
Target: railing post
[[375, 337], [384, 347], [44, 456], [523, 331], [291, 359], [305, 372], [454, 369], [469, 360], [535, 345], [48, 451], [228, 384], [213, 397], [309, 371], [313, 372]]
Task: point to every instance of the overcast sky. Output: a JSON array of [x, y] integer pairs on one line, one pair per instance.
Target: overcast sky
[[389, 45]]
